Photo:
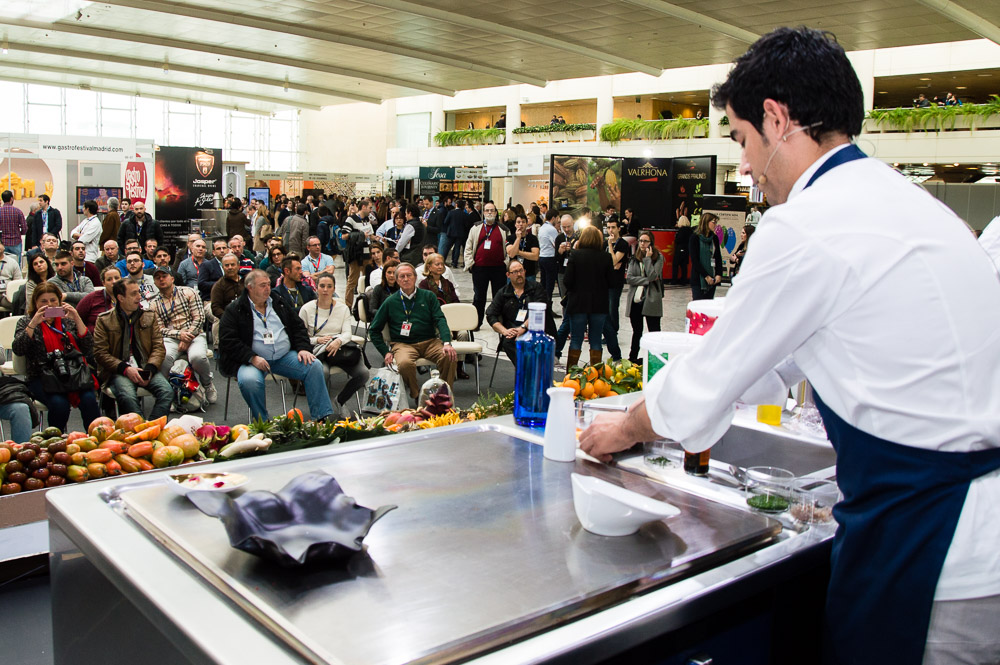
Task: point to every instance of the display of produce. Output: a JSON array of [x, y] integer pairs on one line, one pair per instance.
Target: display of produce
[[608, 378]]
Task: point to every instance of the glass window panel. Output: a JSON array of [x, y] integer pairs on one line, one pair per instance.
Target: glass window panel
[[116, 122], [112, 101], [44, 94], [280, 161], [280, 137], [242, 156], [81, 113], [43, 119], [242, 132], [12, 108], [213, 128], [149, 120], [181, 129]]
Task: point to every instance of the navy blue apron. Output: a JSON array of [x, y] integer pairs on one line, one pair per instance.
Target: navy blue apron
[[897, 520]]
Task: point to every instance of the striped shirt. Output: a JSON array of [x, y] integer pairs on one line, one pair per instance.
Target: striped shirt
[[183, 312], [12, 225]]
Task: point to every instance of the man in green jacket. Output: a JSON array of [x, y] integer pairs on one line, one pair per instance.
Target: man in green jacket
[[417, 329]]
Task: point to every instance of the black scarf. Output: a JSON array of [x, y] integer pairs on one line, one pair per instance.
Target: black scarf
[[130, 342]]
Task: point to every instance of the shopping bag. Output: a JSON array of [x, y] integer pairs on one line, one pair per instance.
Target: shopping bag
[[385, 392]]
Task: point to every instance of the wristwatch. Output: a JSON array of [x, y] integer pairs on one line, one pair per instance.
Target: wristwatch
[[447, 343]]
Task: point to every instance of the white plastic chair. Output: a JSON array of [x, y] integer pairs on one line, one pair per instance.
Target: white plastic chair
[[7, 327], [20, 369], [12, 287], [464, 317]]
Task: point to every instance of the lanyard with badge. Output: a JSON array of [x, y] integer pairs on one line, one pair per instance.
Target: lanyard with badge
[[315, 263], [316, 320], [173, 303], [268, 336], [522, 309], [489, 236], [404, 328]]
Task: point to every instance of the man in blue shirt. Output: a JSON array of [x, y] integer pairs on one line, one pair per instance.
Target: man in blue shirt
[[261, 335]]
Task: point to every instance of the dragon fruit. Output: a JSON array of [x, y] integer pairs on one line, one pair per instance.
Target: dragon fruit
[[213, 436]]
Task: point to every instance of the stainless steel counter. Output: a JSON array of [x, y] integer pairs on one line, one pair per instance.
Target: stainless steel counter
[[485, 558]]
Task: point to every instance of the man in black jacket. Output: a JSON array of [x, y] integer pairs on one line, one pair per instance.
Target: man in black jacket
[[508, 313], [211, 271], [292, 290], [453, 229], [140, 226], [261, 335], [435, 220], [51, 218]]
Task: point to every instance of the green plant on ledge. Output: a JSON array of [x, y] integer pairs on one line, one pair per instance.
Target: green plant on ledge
[[545, 129], [470, 137], [652, 130], [935, 118], [724, 121]]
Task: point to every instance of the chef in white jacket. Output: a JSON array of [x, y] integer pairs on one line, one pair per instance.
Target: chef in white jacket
[[885, 303], [990, 241]]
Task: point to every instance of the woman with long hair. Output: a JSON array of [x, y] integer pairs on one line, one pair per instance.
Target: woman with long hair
[[706, 258], [380, 292], [55, 326], [263, 224], [39, 271], [509, 218], [374, 265], [328, 321], [645, 290], [444, 290], [741, 249], [274, 258], [587, 280]]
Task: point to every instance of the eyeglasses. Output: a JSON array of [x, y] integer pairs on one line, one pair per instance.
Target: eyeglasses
[[644, 240]]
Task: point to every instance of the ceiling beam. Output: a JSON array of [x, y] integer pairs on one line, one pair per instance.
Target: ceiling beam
[[533, 36], [129, 93], [965, 18], [5, 62], [669, 9], [89, 31], [273, 25], [33, 49]]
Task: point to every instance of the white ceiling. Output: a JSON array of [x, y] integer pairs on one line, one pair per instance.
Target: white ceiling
[[266, 55]]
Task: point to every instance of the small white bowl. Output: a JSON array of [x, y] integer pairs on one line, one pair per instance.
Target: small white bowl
[[609, 510], [182, 483]]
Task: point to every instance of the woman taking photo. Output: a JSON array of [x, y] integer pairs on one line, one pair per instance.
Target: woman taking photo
[[39, 271], [328, 323], [741, 249], [587, 280], [380, 292], [444, 290], [57, 326], [645, 290], [706, 258]]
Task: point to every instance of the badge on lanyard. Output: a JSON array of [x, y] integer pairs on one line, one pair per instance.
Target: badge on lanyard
[[522, 315], [487, 244], [268, 337], [404, 329]]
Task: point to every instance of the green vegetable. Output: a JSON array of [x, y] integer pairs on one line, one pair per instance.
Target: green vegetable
[[771, 503], [660, 461]]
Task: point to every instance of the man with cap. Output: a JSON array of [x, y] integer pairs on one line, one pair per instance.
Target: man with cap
[[182, 316]]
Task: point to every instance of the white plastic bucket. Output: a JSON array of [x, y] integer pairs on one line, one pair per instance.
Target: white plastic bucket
[[701, 315], [659, 348]]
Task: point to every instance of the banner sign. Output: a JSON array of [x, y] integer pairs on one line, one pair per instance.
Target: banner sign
[[187, 180], [437, 173], [136, 182], [85, 148], [576, 182], [692, 178], [646, 190], [470, 173]]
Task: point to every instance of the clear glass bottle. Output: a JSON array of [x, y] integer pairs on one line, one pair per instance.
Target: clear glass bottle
[[436, 395], [536, 356]]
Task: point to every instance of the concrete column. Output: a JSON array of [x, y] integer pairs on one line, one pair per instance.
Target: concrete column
[[714, 116], [437, 117], [864, 67], [390, 123], [513, 112], [605, 102]]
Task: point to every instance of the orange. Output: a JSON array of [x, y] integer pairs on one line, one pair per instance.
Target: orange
[[608, 372], [601, 388], [590, 373], [295, 413], [588, 391], [574, 384]]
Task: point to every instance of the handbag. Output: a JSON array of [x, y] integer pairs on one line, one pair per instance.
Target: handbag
[[66, 372], [385, 392], [348, 355]]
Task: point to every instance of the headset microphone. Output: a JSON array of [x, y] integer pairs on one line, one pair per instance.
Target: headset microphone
[[762, 180]]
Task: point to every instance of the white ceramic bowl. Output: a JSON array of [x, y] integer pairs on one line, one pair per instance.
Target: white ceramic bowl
[[609, 510], [207, 481]]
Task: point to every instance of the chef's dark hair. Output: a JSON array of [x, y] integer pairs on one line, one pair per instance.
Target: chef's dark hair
[[805, 69]]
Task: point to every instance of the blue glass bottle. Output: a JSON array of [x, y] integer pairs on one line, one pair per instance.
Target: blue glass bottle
[[536, 357]]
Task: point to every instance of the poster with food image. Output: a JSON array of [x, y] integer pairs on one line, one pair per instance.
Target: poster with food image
[[576, 182]]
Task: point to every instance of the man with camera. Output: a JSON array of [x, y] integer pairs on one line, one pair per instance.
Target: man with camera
[[128, 348]]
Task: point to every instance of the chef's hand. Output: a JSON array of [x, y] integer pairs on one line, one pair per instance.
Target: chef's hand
[[612, 432]]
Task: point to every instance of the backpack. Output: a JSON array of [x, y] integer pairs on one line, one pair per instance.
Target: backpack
[[189, 395]]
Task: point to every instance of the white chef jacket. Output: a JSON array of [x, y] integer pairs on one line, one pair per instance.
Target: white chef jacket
[[990, 240], [888, 306]]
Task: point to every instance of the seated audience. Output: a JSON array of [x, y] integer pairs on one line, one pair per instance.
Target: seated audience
[[135, 273], [229, 288], [328, 322], [55, 325], [291, 288], [187, 271], [39, 271], [508, 313], [99, 301], [378, 293], [81, 266], [110, 256], [417, 329], [74, 288], [181, 315], [259, 335], [211, 269], [128, 348]]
